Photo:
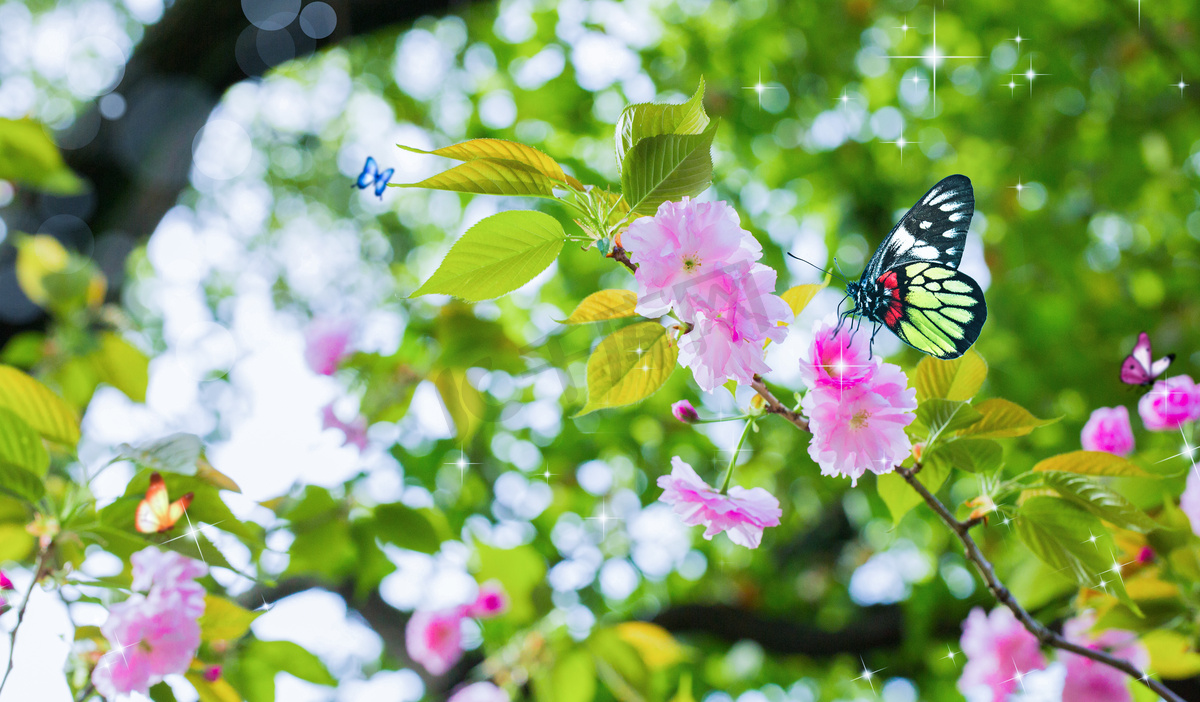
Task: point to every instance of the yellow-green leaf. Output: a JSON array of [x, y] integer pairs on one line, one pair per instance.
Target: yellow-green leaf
[[629, 365], [649, 119], [503, 150], [900, 497], [799, 296], [1004, 419], [464, 403], [489, 176], [38, 406], [665, 168], [1092, 463], [20, 445], [175, 453], [214, 477], [497, 255], [123, 366], [224, 620], [1171, 654], [520, 570], [653, 643], [29, 156], [602, 305], [954, 379], [216, 691], [572, 678], [37, 257]]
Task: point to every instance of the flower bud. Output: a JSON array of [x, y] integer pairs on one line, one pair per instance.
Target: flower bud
[[685, 412]]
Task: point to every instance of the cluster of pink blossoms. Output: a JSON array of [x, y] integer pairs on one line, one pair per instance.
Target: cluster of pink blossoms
[[6, 586], [1170, 404], [480, 692], [742, 513], [857, 406], [326, 343], [695, 258], [434, 638], [155, 632], [999, 648]]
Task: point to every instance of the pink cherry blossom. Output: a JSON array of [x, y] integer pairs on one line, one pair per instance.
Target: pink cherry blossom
[[434, 639], [480, 692], [1108, 430], [491, 601], [685, 412], [212, 673], [355, 430], [150, 639], [838, 360], [683, 242], [742, 513], [1170, 404], [997, 648], [1145, 555], [326, 343], [5, 583], [1189, 502], [169, 576], [861, 428], [1091, 681]]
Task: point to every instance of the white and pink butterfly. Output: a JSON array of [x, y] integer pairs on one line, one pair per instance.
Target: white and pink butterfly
[[1138, 368]]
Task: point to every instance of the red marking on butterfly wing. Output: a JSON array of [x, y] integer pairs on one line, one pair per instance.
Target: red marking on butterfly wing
[[156, 513]]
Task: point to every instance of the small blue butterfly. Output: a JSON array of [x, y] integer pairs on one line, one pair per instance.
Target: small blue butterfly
[[371, 175]]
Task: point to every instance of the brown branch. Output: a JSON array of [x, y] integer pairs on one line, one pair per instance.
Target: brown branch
[[619, 254], [1005, 597], [12, 642], [774, 406]]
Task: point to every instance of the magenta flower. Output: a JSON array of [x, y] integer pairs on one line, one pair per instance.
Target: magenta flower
[[861, 428], [1108, 430], [1189, 502], [743, 514], [839, 360], [434, 639], [1090, 681], [212, 673], [1170, 404], [355, 430], [492, 601], [326, 343], [682, 243], [480, 692], [685, 412], [997, 648], [5, 583]]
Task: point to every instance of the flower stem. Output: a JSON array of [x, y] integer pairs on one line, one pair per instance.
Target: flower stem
[[12, 641], [733, 459]]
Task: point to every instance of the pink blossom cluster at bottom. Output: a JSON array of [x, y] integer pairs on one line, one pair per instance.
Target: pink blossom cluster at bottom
[[434, 638]]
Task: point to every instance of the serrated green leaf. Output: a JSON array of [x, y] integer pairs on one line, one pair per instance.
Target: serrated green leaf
[[955, 379], [971, 455], [488, 176], [900, 497], [503, 150], [38, 406], [519, 570], [1092, 463], [1061, 535], [176, 453], [604, 305], [401, 525], [649, 119], [1003, 419], [224, 620], [629, 365], [1099, 499], [667, 167], [946, 416], [498, 255], [21, 446]]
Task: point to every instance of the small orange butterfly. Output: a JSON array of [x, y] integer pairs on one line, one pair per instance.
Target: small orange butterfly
[[156, 513]]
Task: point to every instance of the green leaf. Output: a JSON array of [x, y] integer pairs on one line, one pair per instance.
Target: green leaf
[[122, 366], [1099, 499], [503, 150], [488, 176], [1004, 419], [1092, 463], [900, 497], [1061, 535], [955, 379], [620, 665], [176, 453], [946, 416], [667, 167], [799, 296], [971, 455], [21, 483], [603, 305], [38, 406], [20, 445], [224, 620], [462, 400], [1172, 654], [253, 675], [401, 525], [217, 691], [629, 365], [498, 255], [572, 678], [28, 156], [648, 119], [519, 570], [162, 693]]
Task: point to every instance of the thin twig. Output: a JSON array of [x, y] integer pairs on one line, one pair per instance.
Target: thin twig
[[86, 691], [12, 639], [619, 254], [774, 406], [1005, 597]]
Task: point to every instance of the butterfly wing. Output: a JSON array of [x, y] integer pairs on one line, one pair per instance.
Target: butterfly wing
[[1135, 370], [381, 181], [933, 308], [178, 507], [934, 230], [153, 511], [1160, 366], [369, 174]]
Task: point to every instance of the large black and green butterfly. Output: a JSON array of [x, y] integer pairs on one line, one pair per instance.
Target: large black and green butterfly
[[912, 284]]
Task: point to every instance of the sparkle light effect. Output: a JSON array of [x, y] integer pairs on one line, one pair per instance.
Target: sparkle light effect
[[1012, 87], [1019, 187], [1019, 677], [1188, 449], [462, 464], [951, 654], [904, 27], [1181, 85], [1030, 75], [933, 57], [901, 142], [1092, 538], [759, 88], [867, 674], [604, 519]]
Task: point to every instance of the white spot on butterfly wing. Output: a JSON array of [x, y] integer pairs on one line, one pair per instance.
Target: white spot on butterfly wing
[[942, 196], [902, 241], [952, 205], [926, 252], [958, 216], [926, 225]]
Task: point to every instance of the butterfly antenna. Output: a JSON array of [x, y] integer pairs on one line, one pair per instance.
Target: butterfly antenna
[[823, 270]]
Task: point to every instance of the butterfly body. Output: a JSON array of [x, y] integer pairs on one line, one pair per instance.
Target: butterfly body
[[156, 513], [912, 284], [1139, 368], [371, 176]]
